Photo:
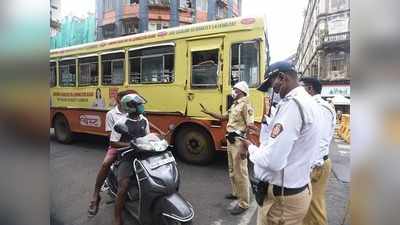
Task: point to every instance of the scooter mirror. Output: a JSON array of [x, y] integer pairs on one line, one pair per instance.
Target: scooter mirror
[[121, 128]]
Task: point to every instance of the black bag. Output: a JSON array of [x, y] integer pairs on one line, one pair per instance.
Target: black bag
[[259, 189], [230, 136]]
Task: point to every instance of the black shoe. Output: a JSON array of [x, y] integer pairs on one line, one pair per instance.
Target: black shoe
[[231, 197], [237, 210]]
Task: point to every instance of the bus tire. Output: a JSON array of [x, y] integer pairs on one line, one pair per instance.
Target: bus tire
[[62, 130], [195, 145]]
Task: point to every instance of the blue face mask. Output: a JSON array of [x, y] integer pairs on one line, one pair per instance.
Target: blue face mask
[[140, 109]]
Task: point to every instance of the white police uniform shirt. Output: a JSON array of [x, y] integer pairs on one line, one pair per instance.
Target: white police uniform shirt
[[289, 145], [112, 117], [327, 126]]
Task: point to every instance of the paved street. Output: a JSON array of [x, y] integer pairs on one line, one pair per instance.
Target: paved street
[[73, 169]]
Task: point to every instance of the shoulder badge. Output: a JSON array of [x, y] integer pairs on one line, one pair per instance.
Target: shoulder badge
[[276, 130]]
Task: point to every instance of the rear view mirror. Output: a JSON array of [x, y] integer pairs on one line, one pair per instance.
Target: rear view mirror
[[121, 128]]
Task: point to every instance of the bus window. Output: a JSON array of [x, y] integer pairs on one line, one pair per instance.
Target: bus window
[[245, 63], [113, 68], [53, 74], [205, 68], [152, 65], [67, 73], [88, 71]]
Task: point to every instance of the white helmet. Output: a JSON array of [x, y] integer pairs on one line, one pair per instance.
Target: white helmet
[[242, 85]]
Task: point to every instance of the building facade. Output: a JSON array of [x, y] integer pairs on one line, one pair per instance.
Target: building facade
[[123, 17], [55, 17], [324, 46]]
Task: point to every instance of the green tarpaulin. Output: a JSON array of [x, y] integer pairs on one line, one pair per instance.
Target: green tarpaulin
[[74, 31]]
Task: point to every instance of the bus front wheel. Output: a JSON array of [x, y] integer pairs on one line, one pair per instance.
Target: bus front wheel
[[62, 130], [195, 145]]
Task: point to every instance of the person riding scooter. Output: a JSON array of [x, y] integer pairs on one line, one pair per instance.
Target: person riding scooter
[[138, 126]]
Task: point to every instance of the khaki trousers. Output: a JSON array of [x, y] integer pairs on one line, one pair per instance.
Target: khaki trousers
[[317, 215], [238, 175], [294, 208]]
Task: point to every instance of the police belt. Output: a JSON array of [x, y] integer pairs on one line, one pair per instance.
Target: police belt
[[277, 190]]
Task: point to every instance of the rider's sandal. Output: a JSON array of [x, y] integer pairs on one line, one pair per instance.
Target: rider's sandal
[[94, 207]]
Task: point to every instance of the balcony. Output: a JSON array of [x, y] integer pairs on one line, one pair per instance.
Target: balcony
[[159, 3], [131, 11], [339, 37]]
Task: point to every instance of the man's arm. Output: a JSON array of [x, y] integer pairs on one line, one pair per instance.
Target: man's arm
[[214, 115], [115, 138], [248, 115], [284, 132], [154, 128], [109, 123]]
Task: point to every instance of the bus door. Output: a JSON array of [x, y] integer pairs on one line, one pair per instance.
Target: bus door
[[204, 81]]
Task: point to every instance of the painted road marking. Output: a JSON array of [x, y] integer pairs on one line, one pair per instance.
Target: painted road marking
[[218, 222]]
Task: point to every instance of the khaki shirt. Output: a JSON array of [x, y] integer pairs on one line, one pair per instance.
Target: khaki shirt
[[240, 114]]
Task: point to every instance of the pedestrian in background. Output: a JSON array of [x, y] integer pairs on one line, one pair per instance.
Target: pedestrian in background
[[321, 167], [282, 164], [240, 117]]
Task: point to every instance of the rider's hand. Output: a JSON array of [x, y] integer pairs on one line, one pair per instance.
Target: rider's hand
[[161, 135]]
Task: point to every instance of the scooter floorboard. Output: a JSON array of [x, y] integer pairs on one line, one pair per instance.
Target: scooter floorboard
[[132, 208]]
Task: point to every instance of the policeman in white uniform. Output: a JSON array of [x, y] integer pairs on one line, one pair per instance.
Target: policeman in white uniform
[[321, 167], [282, 164]]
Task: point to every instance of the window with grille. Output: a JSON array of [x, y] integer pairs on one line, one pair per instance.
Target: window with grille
[[202, 5], [205, 68], [108, 5], [88, 71], [336, 5], [108, 31], [152, 65], [68, 73], [245, 63], [53, 74], [130, 28], [129, 2], [337, 61], [113, 68]]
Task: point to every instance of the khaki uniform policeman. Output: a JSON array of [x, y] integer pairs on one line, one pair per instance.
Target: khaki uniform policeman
[[321, 167], [283, 162], [240, 116]]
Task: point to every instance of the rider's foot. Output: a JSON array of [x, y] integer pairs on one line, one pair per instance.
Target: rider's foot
[[94, 206]]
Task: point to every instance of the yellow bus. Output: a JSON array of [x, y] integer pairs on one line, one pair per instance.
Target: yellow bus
[[175, 70]]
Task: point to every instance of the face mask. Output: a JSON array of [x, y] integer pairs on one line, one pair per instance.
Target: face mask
[[233, 94], [140, 109], [269, 92]]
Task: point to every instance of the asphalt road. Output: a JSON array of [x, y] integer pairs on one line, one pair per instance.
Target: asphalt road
[[73, 169]]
